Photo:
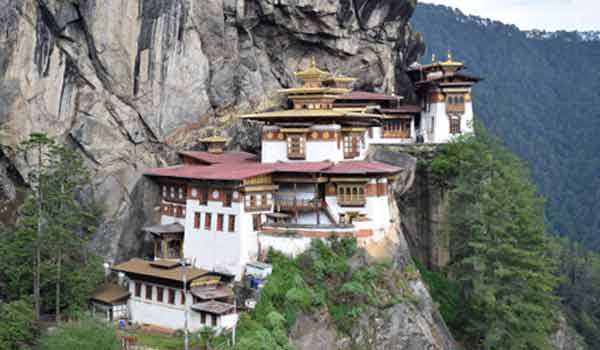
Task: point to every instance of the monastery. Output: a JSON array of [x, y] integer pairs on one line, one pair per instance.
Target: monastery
[[221, 211]]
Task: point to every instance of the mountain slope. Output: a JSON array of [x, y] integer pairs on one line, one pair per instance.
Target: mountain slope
[[541, 97]]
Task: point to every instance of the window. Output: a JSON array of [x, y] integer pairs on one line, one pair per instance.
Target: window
[[454, 125], [203, 317], [207, 223], [231, 225], [172, 296], [148, 292], [178, 212], [203, 196], [138, 289], [255, 222], [351, 146], [227, 199], [180, 192], [351, 195], [220, 222], [197, 220], [182, 298], [164, 191], [253, 201], [264, 203], [159, 294], [213, 320], [296, 146]]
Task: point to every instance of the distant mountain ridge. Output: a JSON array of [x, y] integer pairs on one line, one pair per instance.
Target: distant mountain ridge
[[569, 36], [541, 95]]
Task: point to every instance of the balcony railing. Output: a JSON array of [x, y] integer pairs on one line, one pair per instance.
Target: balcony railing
[[286, 203], [354, 201]]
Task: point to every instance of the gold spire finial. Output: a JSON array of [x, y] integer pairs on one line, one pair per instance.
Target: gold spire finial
[[433, 58], [313, 62], [449, 55]]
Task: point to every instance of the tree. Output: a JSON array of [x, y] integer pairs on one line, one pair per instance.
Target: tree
[[17, 328], [500, 254], [55, 216], [37, 144], [71, 223]]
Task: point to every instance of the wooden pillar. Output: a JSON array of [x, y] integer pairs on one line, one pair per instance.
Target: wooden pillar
[[164, 248], [296, 202], [317, 204]]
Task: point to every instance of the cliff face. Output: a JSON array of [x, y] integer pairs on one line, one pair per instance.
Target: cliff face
[[129, 82]]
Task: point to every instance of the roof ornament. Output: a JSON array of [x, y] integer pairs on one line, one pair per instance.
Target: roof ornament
[[449, 56], [313, 62], [433, 58]]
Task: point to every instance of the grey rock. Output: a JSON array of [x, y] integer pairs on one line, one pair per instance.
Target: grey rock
[[130, 82]]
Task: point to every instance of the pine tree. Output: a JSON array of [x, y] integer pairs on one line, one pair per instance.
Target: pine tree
[[501, 255]]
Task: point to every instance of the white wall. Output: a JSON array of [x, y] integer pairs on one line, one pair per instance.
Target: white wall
[[290, 246], [157, 313], [214, 250], [318, 151], [274, 151]]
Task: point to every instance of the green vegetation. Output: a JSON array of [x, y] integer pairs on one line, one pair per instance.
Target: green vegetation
[[46, 257], [327, 277], [82, 334], [501, 258], [580, 289], [17, 329], [446, 293], [541, 97]]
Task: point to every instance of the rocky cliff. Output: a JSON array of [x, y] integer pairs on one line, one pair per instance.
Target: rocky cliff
[[130, 82]]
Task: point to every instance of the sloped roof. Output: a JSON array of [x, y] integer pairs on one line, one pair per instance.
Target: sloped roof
[[361, 168], [213, 307], [365, 95], [162, 229], [227, 157], [226, 171], [110, 293], [145, 268]]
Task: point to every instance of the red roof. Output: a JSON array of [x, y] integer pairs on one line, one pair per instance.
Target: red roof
[[302, 167], [227, 171], [362, 167], [364, 95], [223, 158], [240, 171]]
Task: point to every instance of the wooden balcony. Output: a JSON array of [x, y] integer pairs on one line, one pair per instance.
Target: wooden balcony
[[354, 201]]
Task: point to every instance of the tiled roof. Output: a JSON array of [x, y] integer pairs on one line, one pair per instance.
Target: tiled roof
[[362, 167], [145, 268], [365, 95], [213, 307], [227, 157], [464, 76], [303, 167], [309, 113], [241, 171], [160, 229], [227, 171], [110, 293]]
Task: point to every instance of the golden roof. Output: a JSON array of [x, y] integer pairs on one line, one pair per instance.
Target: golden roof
[[344, 78], [311, 113], [312, 72], [214, 139], [450, 62]]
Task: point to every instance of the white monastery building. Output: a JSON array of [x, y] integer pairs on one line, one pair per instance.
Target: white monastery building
[[222, 211]]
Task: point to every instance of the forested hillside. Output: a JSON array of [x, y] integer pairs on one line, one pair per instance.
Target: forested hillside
[[540, 95]]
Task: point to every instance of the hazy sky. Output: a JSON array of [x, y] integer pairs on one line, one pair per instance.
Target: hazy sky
[[529, 14]]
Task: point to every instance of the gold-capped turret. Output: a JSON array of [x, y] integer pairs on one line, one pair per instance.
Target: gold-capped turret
[[215, 143], [312, 76]]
